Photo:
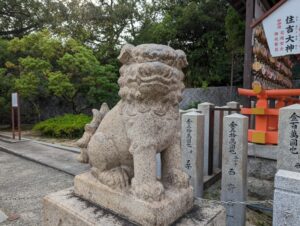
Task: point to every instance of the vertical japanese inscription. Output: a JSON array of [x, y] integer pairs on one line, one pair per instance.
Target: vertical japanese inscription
[[293, 142], [232, 150], [189, 146], [288, 138], [291, 36]]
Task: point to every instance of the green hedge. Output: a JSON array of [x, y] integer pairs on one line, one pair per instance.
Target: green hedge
[[66, 126]]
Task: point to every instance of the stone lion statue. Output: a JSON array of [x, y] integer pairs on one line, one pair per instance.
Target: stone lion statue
[[144, 122]]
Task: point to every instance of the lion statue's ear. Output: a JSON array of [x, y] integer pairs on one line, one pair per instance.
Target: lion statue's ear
[[181, 59], [126, 54]]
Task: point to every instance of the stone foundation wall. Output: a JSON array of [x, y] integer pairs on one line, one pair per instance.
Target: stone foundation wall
[[53, 106], [262, 167], [216, 95]]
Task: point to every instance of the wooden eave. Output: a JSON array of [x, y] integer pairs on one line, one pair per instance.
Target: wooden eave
[[240, 5]]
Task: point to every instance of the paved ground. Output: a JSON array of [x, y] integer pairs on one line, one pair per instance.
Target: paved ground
[[23, 183], [50, 156], [31, 170]]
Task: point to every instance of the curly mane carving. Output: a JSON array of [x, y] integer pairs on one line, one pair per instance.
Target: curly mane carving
[[151, 78]]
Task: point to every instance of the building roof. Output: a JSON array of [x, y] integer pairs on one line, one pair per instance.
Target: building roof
[[240, 5]]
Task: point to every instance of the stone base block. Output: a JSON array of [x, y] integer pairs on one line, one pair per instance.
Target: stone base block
[[286, 198], [175, 203], [64, 208]]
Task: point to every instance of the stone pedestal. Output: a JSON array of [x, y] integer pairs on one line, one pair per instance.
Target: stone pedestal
[[218, 135], [64, 208], [205, 109], [192, 136], [288, 138], [174, 205], [234, 168], [286, 198], [233, 104]]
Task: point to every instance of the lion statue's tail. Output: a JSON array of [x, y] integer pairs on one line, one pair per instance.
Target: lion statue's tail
[[89, 131]]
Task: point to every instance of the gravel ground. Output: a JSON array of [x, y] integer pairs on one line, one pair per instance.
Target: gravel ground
[[23, 184]]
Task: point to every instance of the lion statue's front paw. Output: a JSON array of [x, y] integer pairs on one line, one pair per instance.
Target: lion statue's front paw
[[153, 191], [177, 178]]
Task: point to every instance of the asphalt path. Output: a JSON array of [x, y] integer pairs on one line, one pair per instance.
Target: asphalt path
[[23, 184]]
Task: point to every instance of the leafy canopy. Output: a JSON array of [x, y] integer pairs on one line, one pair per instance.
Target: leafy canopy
[[42, 65]]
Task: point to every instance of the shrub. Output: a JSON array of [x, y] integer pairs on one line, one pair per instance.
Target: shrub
[[193, 104], [66, 126]]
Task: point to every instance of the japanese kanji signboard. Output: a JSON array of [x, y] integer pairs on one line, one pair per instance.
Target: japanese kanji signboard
[[282, 29]]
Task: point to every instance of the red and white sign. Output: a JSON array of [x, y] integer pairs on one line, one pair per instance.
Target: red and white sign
[[282, 29]]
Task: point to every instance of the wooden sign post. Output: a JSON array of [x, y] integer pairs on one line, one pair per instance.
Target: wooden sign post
[[15, 108]]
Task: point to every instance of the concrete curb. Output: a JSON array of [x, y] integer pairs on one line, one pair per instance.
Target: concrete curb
[[51, 155], [8, 139], [6, 150], [62, 147]]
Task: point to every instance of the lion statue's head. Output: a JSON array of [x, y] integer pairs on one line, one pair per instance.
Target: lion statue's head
[[151, 75]]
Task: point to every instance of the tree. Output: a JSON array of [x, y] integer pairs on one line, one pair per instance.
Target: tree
[[197, 27], [43, 65], [235, 33], [20, 17], [100, 24]]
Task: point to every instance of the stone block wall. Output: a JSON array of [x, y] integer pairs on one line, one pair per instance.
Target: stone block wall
[[216, 95], [53, 106]]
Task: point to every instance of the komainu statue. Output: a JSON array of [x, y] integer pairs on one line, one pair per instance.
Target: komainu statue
[[121, 144], [145, 122]]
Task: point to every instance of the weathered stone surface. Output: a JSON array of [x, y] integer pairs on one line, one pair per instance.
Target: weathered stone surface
[[261, 168], [63, 208], [289, 142], [192, 137], [144, 122], [234, 105], [234, 167], [176, 202], [263, 151], [217, 95], [89, 131], [205, 109], [218, 134], [286, 205], [181, 112], [260, 188]]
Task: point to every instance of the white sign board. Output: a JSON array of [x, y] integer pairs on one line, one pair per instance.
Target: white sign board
[[14, 100], [282, 29]]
